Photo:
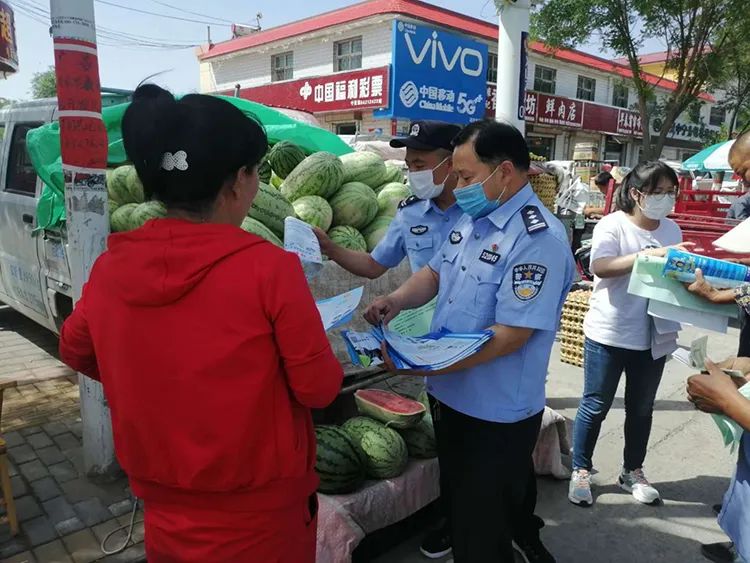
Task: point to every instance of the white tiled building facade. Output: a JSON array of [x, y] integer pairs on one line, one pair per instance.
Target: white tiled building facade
[[322, 46]]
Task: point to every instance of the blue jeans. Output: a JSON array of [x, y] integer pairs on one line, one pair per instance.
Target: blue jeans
[[603, 366]]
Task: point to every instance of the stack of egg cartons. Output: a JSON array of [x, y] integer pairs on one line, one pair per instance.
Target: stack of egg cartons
[[571, 327]]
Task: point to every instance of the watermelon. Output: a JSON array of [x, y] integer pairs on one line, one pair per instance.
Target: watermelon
[[365, 167], [321, 174], [354, 205], [134, 185], [389, 408], [117, 185], [314, 210], [120, 220], [383, 450], [393, 174], [275, 180], [113, 205], [271, 208], [337, 461], [284, 157], [348, 237], [145, 212], [420, 440], [257, 228], [390, 196], [375, 231], [264, 170]]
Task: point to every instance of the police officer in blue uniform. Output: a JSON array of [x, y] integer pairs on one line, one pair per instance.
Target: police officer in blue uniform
[[424, 219], [507, 267]]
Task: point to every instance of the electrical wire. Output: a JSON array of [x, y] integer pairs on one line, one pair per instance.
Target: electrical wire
[[131, 9], [129, 527], [184, 11]]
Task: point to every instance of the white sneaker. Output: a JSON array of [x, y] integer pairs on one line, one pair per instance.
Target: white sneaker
[[635, 482], [579, 490]]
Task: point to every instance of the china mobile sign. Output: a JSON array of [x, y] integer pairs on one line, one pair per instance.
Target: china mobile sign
[[362, 89], [8, 49], [436, 75]]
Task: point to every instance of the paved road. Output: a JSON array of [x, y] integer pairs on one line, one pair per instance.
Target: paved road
[[686, 461]]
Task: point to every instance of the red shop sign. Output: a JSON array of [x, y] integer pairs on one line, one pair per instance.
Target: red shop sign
[[360, 89], [8, 49], [561, 112]]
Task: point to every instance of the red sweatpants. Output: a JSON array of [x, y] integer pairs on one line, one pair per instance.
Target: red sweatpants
[[175, 534]]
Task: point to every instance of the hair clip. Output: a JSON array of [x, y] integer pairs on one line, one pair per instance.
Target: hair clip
[[177, 160]]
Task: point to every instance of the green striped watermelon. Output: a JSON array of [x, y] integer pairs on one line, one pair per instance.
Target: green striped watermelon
[[284, 157], [264, 170], [314, 210], [117, 185], [271, 208], [337, 461], [134, 185], [275, 181], [348, 237], [145, 212], [393, 174], [354, 205], [375, 231], [257, 228], [390, 196], [420, 440], [385, 452], [120, 220], [389, 408], [113, 205], [321, 174], [365, 167]]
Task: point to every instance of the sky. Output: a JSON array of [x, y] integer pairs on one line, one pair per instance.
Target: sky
[[123, 65]]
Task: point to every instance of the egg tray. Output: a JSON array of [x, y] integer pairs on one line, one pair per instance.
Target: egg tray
[[545, 188]]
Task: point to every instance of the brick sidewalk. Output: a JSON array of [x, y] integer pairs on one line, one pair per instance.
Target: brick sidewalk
[[63, 516]]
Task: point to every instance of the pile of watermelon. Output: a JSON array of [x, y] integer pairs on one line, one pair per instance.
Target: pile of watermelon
[[376, 445], [353, 198]]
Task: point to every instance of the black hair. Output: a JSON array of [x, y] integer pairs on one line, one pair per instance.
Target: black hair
[[603, 179], [217, 138], [645, 178], [494, 142]]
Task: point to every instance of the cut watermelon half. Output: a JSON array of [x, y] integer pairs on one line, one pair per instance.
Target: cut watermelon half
[[389, 408]]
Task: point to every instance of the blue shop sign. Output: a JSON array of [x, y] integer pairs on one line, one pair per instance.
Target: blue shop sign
[[436, 75]]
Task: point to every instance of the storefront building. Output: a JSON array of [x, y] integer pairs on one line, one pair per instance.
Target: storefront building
[[372, 67]]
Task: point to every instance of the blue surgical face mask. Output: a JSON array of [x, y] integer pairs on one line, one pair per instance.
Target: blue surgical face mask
[[473, 201]]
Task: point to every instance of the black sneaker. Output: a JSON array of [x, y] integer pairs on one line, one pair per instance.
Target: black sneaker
[[719, 552], [716, 508], [436, 544], [531, 547]]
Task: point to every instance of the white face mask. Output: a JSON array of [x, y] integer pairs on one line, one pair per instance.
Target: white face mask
[[657, 206], [423, 185]]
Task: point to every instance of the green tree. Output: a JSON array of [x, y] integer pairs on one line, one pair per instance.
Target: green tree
[[736, 80], [44, 84], [699, 34]]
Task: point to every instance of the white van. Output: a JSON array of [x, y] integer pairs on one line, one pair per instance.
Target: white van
[[34, 270]]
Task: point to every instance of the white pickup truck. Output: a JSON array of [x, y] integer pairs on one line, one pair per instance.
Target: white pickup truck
[[34, 270]]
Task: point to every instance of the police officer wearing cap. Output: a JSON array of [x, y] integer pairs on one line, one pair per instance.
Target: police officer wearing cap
[[424, 219], [506, 267]]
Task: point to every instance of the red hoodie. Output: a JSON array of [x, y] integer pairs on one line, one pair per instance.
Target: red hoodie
[[212, 353]]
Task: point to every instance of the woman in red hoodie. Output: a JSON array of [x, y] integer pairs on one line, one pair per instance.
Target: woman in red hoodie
[[209, 346]]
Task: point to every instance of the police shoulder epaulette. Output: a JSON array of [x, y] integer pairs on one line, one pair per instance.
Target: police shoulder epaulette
[[408, 201], [533, 219]]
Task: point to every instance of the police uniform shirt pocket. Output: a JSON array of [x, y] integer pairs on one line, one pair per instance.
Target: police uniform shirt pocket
[[486, 282], [417, 243]]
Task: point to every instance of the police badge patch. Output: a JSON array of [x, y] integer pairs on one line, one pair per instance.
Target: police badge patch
[[456, 237], [419, 229], [528, 280]]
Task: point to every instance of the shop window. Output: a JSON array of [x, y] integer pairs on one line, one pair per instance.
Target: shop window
[[542, 146], [346, 128], [544, 79], [21, 178], [614, 151], [282, 67], [586, 88], [492, 68], [718, 116], [348, 54], [620, 96]]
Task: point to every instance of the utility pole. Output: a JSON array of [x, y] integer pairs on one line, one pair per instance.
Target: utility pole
[[83, 145], [513, 32]]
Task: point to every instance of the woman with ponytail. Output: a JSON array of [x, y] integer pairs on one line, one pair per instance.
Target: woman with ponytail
[[209, 346], [619, 330]]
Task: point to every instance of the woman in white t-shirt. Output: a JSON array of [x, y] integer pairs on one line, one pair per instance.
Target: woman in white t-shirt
[[618, 328]]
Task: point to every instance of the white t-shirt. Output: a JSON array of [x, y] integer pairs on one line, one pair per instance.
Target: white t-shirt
[[615, 317]]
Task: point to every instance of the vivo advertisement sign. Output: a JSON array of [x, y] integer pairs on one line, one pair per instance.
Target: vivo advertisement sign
[[437, 75]]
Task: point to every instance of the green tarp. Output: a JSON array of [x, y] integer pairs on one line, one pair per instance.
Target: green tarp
[[43, 145]]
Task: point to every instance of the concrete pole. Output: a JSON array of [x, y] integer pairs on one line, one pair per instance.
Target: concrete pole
[[513, 30], [83, 144]]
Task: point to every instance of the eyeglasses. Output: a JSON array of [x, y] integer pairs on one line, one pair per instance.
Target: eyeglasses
[[659, 196]]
